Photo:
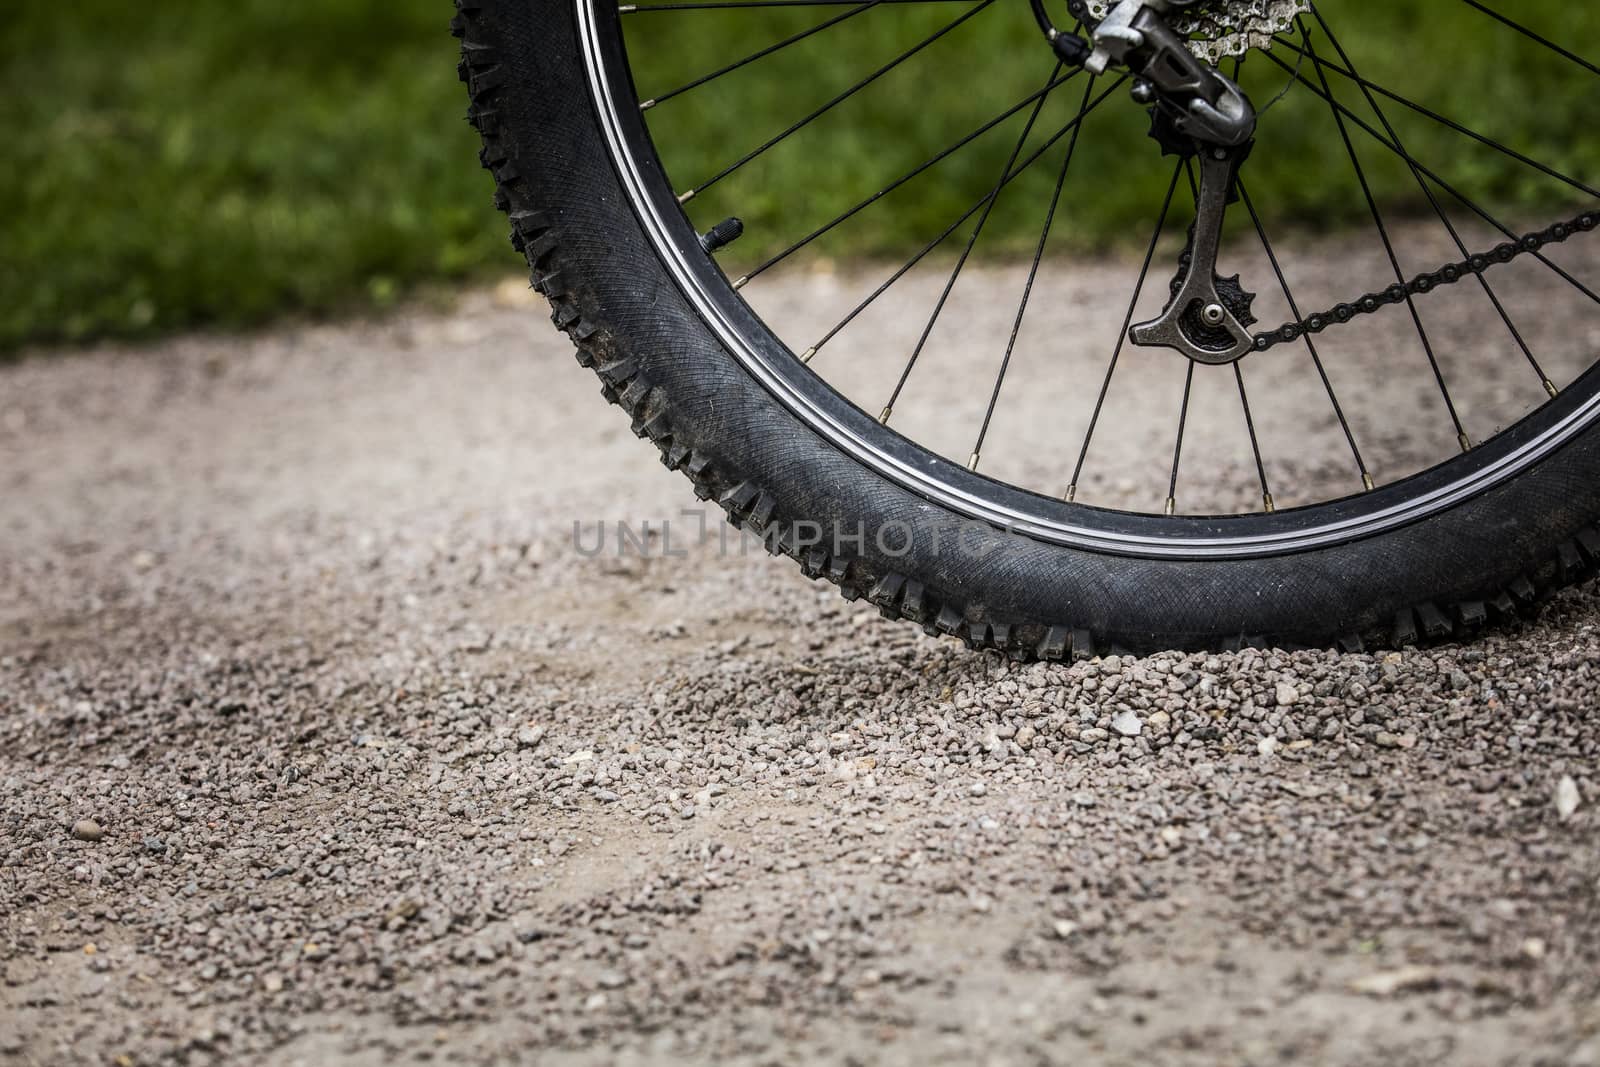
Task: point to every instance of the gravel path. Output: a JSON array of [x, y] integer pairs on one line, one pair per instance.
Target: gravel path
[[320, 738]]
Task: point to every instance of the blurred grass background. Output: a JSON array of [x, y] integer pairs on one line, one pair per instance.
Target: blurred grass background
[[1476, 71], [169, 166], [174, 164]]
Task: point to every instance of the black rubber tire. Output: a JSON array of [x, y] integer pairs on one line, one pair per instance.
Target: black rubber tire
[[1490, 558]]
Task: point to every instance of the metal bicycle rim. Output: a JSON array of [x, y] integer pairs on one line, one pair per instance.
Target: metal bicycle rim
[[978, 498]]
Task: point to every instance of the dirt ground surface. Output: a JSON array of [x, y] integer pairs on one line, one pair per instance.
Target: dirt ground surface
[[321, 738]]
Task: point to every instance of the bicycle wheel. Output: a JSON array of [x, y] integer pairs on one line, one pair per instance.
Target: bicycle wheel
[[1402, 448]]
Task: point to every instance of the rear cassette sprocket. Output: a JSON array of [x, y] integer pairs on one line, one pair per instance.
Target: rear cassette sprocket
[[1226, 28]]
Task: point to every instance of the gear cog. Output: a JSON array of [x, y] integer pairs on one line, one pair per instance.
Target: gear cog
[[1230, 291], [1225, 28]]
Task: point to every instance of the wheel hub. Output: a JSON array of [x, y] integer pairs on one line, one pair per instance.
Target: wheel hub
[[1220, 29]]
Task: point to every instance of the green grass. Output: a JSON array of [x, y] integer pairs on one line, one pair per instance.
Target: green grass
[[1299, 173], [169, 166]]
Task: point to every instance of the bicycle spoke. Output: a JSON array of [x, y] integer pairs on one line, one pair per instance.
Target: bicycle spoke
[[920, 168], [1033, 274], [1433, 201], [832, 103], [1244, 400], [972, 241], [1557, 49], [1449, 123], [1506, 165], [1432, 176], [720, 5], [1255, 443], [1122, 338], [1388, 246], [1177, 449], [662, 98], [1238, 375], [977, 206], [1311, 346]]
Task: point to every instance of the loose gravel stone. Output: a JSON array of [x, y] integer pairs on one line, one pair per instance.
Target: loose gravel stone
[[1567, 798], [1401, 980], [394, 772], [87, 830]]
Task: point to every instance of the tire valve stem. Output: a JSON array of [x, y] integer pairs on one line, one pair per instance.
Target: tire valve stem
[[722, 235]]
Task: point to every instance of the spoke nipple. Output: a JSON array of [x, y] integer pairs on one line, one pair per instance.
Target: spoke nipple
[[884, 418], [1267, 504], [646, 105], [684, 198], [972, 464], [627, 9], [805, 357], [1172, 506], [1071, 494], [739, 282], [1366, 480], [1550, 387], [1466, 442]]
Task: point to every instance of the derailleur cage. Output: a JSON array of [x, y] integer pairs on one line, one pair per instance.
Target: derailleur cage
[[1196, 111]]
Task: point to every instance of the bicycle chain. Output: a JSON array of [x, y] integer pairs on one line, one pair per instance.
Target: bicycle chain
[[1449, 274]]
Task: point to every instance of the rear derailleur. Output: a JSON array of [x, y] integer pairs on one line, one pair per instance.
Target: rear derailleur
[[1196, 111]]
